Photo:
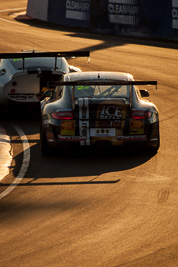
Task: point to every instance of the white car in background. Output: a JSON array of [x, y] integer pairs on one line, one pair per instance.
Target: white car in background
[[24, 76]]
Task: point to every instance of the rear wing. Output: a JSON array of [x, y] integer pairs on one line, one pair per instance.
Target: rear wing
[[33, 54], [83, 83], [105, 83]]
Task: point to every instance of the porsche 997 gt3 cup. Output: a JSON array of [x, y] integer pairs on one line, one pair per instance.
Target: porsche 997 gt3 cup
[[24, 76], [98, 109]]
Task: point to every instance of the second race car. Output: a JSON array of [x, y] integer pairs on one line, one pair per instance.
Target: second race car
[[100, 109]]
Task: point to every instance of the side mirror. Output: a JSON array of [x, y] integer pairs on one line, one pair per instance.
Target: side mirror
[[144, 93]]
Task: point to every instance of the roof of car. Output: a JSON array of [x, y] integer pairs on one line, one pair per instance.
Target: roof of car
[[98, 75]]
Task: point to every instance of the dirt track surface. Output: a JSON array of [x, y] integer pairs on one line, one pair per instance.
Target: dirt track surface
[[93, 210]]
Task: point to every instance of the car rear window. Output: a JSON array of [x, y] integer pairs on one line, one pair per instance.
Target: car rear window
[[30, 63], [101, 91]]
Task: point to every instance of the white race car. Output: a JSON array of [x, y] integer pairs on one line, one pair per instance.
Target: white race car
[[24, 76]]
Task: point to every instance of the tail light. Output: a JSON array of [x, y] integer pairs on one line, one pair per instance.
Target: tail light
[[140, 114], [63, 115]]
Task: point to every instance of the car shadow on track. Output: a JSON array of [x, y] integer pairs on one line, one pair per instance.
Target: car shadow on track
[[70, 166], [81, 166]]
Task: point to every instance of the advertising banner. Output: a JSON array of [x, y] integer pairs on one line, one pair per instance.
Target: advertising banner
[[138, 18], [146, 18], [78, 10], [70, 12], [124, 12], [128, 17]]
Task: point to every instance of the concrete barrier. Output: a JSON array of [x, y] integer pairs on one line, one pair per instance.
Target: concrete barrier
[[38, 9], [146, 18]]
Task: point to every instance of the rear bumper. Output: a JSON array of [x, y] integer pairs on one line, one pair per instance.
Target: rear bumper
[[103, 143], [150, 139]]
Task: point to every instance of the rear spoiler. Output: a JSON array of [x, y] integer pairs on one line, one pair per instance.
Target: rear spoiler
[[105, 83], [131, 83], [23, 55], [33, 54]]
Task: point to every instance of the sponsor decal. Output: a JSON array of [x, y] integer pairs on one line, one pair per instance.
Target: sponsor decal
[[125, 12], [78, 9], [68, 128], [111, 113], [71, 138], [136, 127], [84, 120], [21, 96], [175, 14], [132, 138], [102, 132]]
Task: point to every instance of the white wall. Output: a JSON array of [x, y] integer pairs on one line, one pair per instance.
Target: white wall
[[38, 9]]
